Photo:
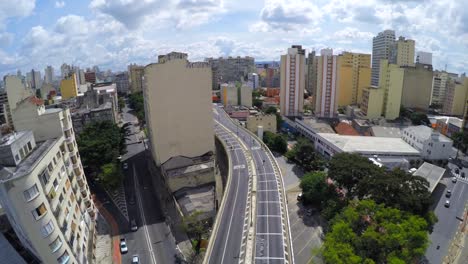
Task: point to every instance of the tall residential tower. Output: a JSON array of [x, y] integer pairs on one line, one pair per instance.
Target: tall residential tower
[[381, 46], [326, 103], [292, 81]]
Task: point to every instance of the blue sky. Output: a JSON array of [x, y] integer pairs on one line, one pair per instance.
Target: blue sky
[[114, 33]]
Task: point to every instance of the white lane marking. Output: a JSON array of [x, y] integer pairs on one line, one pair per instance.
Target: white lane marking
[[238, 167], [266, 181], [232, 212], [274, 202], [270, 234], [268, 215], [267, 258], [267, 190], [143, 218]]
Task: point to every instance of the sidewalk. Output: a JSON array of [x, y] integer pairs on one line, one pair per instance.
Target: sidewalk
[[462, 258], [116, 257], [103, 241]]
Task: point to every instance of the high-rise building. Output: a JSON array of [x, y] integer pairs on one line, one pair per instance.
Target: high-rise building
[[253, 81], [402, 52], [69, 87], [49, 74], [311, 77], [233, 95], [33, 79], [417, 87], [354, 74], [391, 80], [90, 76], [43, 187], [456, 96], [65, 70], [135, 74], [381, 46], [372, 102], [16, 91], [230, 69], [184, 88], [292, 81], [439, 87], [423, 57], [326, 103], [121, 80]]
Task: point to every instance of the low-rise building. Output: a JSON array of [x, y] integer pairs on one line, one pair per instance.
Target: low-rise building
[[267, 122], [431, 144], [383, 131], [83, 117], [329, 144], [432, 173], [310, 127]]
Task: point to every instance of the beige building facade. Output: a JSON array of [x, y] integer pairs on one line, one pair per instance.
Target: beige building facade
[[178, 107], [456, 96], [45, 192], [417, 87], [292, 81], [354, 74], [391, 80], [372, 102], [267, 122], [326, 102], [135, 77], [402, 52]]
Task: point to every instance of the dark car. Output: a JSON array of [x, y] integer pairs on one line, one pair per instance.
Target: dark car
[[463, 175], [457, 171], [448, 194]]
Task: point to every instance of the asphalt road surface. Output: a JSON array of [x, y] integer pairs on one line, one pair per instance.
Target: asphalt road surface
[[449, 218], [269, 238], [228, 238], [153, 241]]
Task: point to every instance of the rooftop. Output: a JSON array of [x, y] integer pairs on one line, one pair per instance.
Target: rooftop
[[197, 199], [10, 138], [318, 126], [431, 173], [344, 128], [382, 131], [425, 132], [369, 145], [30, 162]]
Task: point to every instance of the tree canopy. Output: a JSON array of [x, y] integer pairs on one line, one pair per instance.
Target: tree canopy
[[137, 103], [315, 189], [276, 142], [368, 232], [418, 118], [303, 153]]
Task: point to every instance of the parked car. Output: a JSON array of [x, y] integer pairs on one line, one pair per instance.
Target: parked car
[[123, 246], [299, 197], [457, 171], [125, 166], [448, 194], [133, 225], [463, 175], [454, 179], [135, 259], [447, 203]]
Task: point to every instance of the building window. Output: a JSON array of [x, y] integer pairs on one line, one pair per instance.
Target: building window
[[52, 194], [31, 193], [64, 258], [54, 246], [47, 229], [50, 167], [29, 146], [17, 158], [44, 176], [55, 184], [39, 211]]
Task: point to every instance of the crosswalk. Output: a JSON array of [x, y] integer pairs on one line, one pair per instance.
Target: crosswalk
[[460, 179]]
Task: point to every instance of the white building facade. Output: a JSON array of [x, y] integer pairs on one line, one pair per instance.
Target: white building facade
[[431, 144], [292, 82]]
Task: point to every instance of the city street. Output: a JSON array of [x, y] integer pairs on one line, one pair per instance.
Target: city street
[[153, 241], [449, 218]]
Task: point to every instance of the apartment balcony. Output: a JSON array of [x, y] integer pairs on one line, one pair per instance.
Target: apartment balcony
[[57, 211], [81, 183]]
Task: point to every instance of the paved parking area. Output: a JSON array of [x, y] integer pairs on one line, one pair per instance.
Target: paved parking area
[[305, 230]]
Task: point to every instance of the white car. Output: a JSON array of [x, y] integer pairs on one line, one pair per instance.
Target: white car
[[135, 259], [454, 179], [123, 246], [133, 225]]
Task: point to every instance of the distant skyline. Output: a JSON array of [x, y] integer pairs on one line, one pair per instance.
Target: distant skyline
[[113, 34]]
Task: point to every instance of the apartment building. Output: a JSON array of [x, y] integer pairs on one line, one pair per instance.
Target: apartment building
[[135, 77], [326, 102], [372, 102], [423, 57], [267, 122], [49, 74], [417, 87], [354, 73], [431, 144], [230, 69], [90, 76], [292, 81], [15, 91], [185, 89], [391, 80], [439, 87], [69, 87], [402, 52], [43, 188], [456, 96], [381, 46]]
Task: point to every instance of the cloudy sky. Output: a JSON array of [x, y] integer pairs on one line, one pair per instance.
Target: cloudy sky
[[114, 33]]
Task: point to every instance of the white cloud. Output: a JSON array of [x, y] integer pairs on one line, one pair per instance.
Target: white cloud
[[17, 8], [59, 4]]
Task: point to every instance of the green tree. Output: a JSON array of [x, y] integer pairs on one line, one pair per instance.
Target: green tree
[[367, 232], [194, 225], [271, 110], [137, 103], [101, 143], [121, 104], [111, 175], [303, 153], [276, 142], [348, 169], [315, 189], [418, 118]]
